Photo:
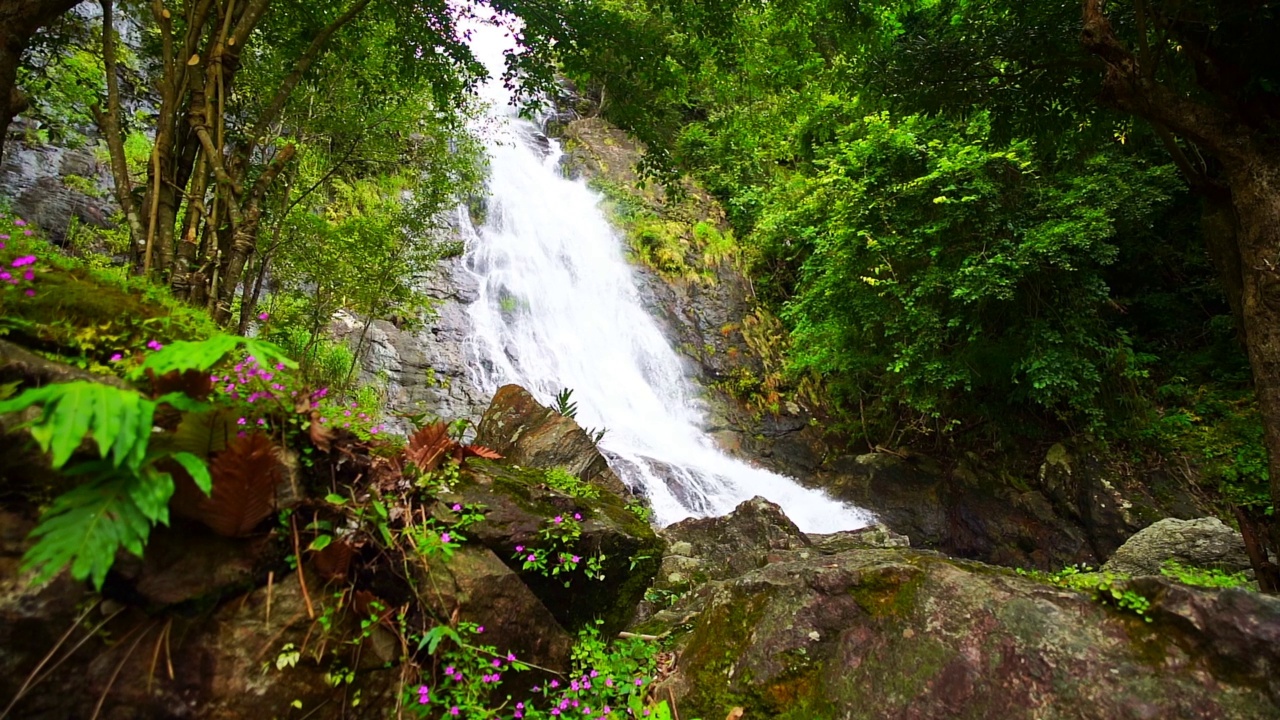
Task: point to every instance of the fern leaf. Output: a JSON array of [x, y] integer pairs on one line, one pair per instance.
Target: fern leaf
[[244, 486], [119, 419], [203, 355], [84, 528], [480, 451], [429, 445], [196, 468], [151, 494]]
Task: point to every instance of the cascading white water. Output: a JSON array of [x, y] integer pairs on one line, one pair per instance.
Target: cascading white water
[[559, 308]]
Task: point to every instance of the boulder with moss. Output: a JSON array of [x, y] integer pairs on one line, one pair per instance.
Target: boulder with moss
[[899, 633], [521, 509], [1204, 542]]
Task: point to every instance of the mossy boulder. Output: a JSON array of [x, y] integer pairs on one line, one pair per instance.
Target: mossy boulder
[[519, 505], [899, 633], [1203, 543], [477, 585]]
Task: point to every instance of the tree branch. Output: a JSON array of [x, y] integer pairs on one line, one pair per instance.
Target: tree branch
[[276, 106]]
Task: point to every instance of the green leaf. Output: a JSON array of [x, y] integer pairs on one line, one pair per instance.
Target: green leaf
[[203, 355], [320, 542], [196, 468], [151, 494], [182, 401], [335, 499], [85, 527], [120, 420]]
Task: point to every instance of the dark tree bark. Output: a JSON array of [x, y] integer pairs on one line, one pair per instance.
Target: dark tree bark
[[1244, 233], [19, 21]]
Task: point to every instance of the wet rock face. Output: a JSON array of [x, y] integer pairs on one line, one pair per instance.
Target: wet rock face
[[1203, 542], [35, 177], [895, 633], [425, 369]]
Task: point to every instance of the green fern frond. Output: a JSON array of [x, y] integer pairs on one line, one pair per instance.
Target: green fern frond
[[205, 354], [85, 527], [119, 419]]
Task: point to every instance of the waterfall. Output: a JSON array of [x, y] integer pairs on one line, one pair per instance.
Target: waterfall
[[559, 307]]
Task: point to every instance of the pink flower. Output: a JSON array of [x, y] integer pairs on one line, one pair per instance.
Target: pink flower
[[558, 519], [479, 629], [519, 548], [155, 345], [242, 421], [20, 222], [453, 710], [24, 260], [532, 557], [457, 507], [444, 537], [496, 662], [117, 357], [27, 233], [30, 293], [263, 316], [577, 516], [28, 276]]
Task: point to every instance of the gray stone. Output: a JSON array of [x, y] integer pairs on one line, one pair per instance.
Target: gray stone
[[1203, 542], [900, 633]]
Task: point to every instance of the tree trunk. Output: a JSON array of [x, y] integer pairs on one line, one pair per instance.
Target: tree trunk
[[19, 21], [1249, 158], [1255, 188]]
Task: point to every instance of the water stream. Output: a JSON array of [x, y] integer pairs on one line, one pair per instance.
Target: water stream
[[559, 308]]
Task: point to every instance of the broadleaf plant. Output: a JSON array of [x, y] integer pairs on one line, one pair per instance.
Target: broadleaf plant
[[126, 492]]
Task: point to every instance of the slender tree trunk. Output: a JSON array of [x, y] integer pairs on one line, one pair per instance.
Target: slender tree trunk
[[109, 125], [19, 21]]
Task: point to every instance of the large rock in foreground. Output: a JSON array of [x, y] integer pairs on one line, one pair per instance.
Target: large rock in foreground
[[894, 633]]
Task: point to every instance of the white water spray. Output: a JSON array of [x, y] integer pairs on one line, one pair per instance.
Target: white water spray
[[559, 308]]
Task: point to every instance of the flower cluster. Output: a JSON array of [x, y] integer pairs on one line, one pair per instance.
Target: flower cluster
[[562, 534], [266, 391], [17, 272], [615, 686]]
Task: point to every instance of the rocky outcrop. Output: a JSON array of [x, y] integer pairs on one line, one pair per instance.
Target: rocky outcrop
[[528, 433], [423, 369], [519, 506], [896, 633], [1202, 543], [204, 626]]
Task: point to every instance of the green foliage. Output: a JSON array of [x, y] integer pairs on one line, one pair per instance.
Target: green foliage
[[123, 498], [1203, 577], [562, 480], [1104, 587], [935, 269], [119, 420], [203, 355], [127, 491], [564, 405]]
